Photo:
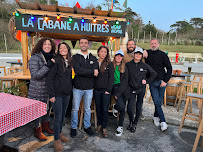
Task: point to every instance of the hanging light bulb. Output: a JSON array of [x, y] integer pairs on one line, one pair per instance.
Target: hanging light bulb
[[105, 21], [83, 20], [94, 19], [70, 19], [17, 14], [117, 22], [58, 17], [45, 17], [32, 17]]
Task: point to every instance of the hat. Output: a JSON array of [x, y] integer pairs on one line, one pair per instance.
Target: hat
[[119, 52], [138, 49]]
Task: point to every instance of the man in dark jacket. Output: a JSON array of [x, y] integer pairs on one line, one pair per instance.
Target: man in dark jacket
[[139, 75], [86, 68], [158, 60]]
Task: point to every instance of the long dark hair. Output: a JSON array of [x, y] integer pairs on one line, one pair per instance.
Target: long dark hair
[[39, 45], [68, 56], [121, 66], [106, 60]]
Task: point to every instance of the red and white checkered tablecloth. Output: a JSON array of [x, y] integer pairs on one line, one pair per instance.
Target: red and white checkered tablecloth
[[16, 111]]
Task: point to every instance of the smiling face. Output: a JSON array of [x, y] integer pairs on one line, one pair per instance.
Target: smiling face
[[118, 59], [63, 50], [102, 53], [154, 44], [46, 46], [137, 57], [84, 45], [131, 46]]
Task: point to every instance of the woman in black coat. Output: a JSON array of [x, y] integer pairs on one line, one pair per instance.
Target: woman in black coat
[[59, 83], [39, 64], [102, 88]]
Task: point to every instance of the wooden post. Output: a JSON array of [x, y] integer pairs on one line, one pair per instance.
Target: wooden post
[[132, 33], [117, 45], [144, 37], [138, 36], [24, 44], [5, 43], [156, 34]]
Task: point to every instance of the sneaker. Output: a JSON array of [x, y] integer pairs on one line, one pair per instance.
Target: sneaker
[[156, 121], [133, 128], [73, 133], [89, 131], [164, 126], [115, 112], [130, 126], [119, 131]]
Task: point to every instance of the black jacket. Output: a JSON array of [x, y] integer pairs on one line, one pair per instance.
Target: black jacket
[[104, 80], [159, 60], [138, 72], [84, 71], [123, 87], [59, 79]]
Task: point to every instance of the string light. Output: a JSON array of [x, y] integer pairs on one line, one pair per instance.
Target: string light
[[83, 20], [94, 19], [70, 19], [17, 14], [117, 22], [46, 18], [58, 17], [32, 17], [105, 21]]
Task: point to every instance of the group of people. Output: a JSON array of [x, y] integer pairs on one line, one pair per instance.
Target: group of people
[[124, 78]]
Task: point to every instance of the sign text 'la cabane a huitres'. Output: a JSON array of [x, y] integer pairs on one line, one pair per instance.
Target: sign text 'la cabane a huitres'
[[38, 23]]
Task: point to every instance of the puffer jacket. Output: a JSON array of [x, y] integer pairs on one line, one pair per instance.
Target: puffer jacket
[[38, 70]]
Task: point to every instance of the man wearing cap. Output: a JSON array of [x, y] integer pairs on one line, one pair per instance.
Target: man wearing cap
[[159, 61], [139, 75]]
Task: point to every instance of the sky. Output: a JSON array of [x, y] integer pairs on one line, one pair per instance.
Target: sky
[[161, 13]]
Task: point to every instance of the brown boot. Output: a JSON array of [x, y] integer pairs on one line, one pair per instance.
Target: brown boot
[[38, 133], [63, 138], [57, 146], [104, 132], [46, 128]]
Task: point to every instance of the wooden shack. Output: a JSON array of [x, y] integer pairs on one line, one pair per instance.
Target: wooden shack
[[67, 23]]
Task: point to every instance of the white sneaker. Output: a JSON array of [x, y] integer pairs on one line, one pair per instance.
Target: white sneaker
[[115, 112], [119, 131], [156, 121], [164, 126]]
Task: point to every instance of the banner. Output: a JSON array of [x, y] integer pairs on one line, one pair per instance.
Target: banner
[[63, 25]]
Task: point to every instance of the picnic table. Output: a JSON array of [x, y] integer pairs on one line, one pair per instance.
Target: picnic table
[[17, 111]]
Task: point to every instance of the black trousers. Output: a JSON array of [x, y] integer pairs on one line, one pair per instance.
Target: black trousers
[[135, 100]]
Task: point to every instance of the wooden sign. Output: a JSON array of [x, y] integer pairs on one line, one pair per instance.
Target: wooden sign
[[38, 23]]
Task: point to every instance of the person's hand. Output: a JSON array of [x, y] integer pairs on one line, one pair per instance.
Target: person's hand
[[53, 60], [163, 84], [52, 99], [50, 63], [144, 81], [107, 92], [115, 97], [96, 72], [145, 54]]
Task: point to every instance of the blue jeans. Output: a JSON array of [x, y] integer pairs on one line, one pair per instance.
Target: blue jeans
[[102, 101], [87, 97], [59, 107], [157, 93]]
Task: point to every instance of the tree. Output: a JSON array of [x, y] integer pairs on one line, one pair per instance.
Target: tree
[[150, 27], [197, 22], [107, 3], [182, 27]]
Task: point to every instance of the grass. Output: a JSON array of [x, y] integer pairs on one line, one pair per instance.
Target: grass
[[174, 48]]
